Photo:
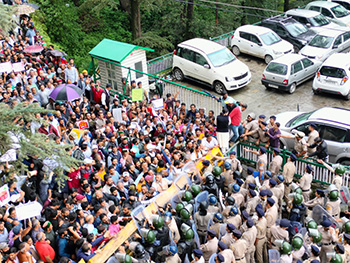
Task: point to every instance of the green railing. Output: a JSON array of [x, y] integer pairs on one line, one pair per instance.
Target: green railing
[[320, 174]]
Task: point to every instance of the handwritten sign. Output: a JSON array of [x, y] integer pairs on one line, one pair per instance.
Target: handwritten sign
[[4, 195], [117, 114], [137, 94], [158, 104], [83, 124], [18, 67], [5, 67], [28, 210]]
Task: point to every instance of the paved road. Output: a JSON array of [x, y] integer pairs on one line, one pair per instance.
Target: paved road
[[260, 100]]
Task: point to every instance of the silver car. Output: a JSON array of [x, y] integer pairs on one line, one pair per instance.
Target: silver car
[[288, 71], [333, 125]]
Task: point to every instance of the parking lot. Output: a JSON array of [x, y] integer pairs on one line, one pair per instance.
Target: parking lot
[[260, 100]]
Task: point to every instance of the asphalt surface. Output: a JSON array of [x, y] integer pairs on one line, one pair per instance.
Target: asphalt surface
[[270, 102]]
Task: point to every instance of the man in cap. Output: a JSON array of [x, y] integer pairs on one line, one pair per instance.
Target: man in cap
[[339, 249], [262, 133], [333, 204], [262, 159], [250, 237], [252, 201], [271, 215], [288, 173], [239, 247], [198, 256], [227, 238], [251, 128], [346, 238], [225, 99], [219, 258], [207, 167], [232, 159], [250, 178], [234, 217], [225, 252], [236, 126], [171, 224], [315, 252], [277, 161], [260, 243], [280, 232], [329, 235], [313, 134], [305, 183], [300, 146], [211, 246], [318, 200], [321, 151]]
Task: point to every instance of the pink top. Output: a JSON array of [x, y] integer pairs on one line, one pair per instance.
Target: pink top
[[113, 229]]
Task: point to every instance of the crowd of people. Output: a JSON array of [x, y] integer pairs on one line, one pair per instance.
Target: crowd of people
[[227, 213]]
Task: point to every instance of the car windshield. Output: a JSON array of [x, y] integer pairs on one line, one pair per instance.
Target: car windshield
[[296, 29], [270, 38], [319, 20], [321, 41], [333, 72], [339, 11], [277, 68], [299, 119], [221, 57]]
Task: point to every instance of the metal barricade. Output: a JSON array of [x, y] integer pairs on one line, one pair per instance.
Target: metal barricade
[[160, 64]]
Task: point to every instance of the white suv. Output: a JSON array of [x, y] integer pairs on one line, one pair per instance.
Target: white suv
[[333, 76], [209, 63], [260, 42]]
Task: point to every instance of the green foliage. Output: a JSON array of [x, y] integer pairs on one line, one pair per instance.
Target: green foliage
[[15, 133], [7, 22], [161, 45]]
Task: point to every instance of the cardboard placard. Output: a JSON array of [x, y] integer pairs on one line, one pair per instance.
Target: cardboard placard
[[18, 67], [28, 210], [4, 195], [5, 67], [158, 104], [117, 114], [83, 125], [137, 94]]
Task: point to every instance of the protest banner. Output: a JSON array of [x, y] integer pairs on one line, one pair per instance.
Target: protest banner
[[28, 210], [83, 124], [4, 195], [158, 104], [117, 114], [5, 67], [137, 94], [18, 67]]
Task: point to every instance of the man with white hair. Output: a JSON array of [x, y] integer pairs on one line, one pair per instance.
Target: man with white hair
[[45, 251]]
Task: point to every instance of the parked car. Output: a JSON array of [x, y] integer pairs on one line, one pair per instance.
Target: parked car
[[333, 76], [260, 42], [335, 12], [209, 63], [333, 125], [286, 72], [312, 19], [327, 43], [345, 3], [290, 30]]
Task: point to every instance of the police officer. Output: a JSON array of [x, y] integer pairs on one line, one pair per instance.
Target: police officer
[[198, 256], [229, 202], [339, 171], [318, 200], [211, 246], [315, 253], [277, 161], [305, 183], [333, 205], [262, 159], [228, 175], [201, 219], [300, 146], [250, 178], [213, 204], [218, 220], [298, 248], [226, 252], [171, 224], [313, 134], [288, 174], [280, 232], [329, 235], [239, 198], [260, 243], [346, 238], [253, 200], [227, 238], [239, 247], [263, 137], [250, 237], [271, 215], [234, 218]]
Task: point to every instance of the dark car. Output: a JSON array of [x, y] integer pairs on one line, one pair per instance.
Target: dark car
[[290, 30]]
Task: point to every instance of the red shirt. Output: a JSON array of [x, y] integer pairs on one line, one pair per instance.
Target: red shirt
[[235, 116], [44, 250], [97, 94]]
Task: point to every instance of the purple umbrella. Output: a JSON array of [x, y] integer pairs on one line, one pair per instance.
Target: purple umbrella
[[66, 92]]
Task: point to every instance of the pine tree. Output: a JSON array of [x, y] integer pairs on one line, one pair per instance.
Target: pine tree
[[7, 19], [15, 135]]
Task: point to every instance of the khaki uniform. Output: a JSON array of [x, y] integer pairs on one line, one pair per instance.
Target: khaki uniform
[[174, 230], [277, 192], [271, 217], [276, 164], [265, 185], [173, 259], [201, 223], [286, 258], [262, 136], [244, 192], [249, 179], [288, 173], [333, 208], [239, 198], [228, 239], [235, 220], [311, 259], [305, 185], [337, 181], [327, 246], [261, 251], [278, 233], [297, 254], [216, 228], [250, 237], [347, 253], [253, 127], [228, 174], [235, 164], [261, 163], [209, 248], [314, 202], [212, 209], [300, 145], [228, 255], [311, 139], [251, 205], [201, 260], [239, 249]]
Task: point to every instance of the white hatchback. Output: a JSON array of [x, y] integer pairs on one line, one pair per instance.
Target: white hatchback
[[333, 76], [209, 63], [260, 42], [335, 12], [327, 43]]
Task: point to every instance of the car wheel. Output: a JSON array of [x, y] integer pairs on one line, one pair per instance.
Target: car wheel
[[219, 87], [236, 51], [292, 88], [344, 161], [268, 59], [315, 91], [179, 76], [347, 97]]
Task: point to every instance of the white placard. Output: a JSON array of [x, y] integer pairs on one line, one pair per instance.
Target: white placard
[[18, 67], [28, 210], [158, 104], [4, 195], [117, 114], [5, 67]]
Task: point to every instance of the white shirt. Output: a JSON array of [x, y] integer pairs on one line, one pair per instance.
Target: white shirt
[[210, 144]]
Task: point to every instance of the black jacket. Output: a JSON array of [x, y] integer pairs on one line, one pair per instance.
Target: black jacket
[[321, 150]]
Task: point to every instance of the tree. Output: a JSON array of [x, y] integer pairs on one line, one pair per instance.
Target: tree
[[135, 18], [18, 143], [7, 20]]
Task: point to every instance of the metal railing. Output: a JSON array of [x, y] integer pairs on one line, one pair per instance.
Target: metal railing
[[320, 174], [223, 39]]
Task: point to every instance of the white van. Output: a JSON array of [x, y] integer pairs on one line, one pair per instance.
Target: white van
[[210, 63]]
